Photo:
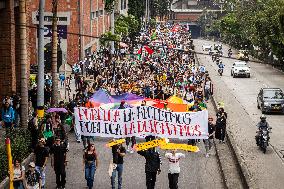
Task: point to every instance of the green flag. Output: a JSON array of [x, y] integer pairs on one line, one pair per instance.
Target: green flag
[[154, 36]]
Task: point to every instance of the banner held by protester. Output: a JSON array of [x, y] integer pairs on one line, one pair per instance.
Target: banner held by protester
[[141, 121]]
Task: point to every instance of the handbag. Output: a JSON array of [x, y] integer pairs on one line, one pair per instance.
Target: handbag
[[111, 168]]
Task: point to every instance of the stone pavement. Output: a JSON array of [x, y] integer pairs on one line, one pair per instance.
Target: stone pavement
[[239, 96]]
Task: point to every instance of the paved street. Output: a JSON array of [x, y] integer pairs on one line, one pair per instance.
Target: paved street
[[239, 95], [197, 172]]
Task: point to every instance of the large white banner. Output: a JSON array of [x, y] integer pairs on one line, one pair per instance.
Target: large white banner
[[141, 121]]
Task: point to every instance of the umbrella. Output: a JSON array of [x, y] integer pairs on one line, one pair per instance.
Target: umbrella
[[56, 110]]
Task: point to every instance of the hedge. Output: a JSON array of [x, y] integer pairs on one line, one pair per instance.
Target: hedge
[[20, 144]]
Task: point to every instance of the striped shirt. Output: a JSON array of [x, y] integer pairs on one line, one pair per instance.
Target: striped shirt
[[174, 162]]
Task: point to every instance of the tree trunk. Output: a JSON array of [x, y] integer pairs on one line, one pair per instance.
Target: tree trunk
[[55, 92], [23, 62]]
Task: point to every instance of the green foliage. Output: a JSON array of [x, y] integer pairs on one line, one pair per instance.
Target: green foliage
[[160, 8], [20, 144], [109, 5], [107, 37], [127, 26], [257, 24], [136, 8]]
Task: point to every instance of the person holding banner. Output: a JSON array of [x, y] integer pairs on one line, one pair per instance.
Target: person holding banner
[[152, 166], [174, 168], [118, 152]]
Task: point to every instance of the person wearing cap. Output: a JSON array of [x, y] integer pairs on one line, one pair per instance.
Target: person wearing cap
[[221, 125], [58, 162], [152, 166], [32, 178], [41, 155], [118, 153], [211, 131], [174, 168]]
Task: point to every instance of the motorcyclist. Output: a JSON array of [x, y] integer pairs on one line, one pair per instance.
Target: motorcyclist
[[221, 65], [230, 52], [262, 125]]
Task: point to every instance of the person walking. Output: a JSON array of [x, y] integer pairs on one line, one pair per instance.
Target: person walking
[[41, 155], [211, 131], [8, 116], [58, 162], [174, 168], [19, 174], [90, 161], [221, 125], [152, 166], [32, 178], [118, 152]]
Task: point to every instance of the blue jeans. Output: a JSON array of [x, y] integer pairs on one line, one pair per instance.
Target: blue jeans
[[90, 169], [119, 169]]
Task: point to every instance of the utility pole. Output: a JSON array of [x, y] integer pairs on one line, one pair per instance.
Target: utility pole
[[40, 73], [112, 31], [24, 65], [55, 91]]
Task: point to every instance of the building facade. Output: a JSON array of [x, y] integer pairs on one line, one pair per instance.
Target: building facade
[[80, 24]]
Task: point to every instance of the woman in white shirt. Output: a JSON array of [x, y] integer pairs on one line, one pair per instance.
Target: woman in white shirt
[[174, 168], [19, 175]]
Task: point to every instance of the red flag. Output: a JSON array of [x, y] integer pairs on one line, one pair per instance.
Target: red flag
[[150, 51], [139, 51]]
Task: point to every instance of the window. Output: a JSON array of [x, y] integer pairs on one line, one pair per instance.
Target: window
[[93, 15]]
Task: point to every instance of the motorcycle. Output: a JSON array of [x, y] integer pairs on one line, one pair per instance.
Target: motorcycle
[[230, 54], [220, 71], [263, 139]]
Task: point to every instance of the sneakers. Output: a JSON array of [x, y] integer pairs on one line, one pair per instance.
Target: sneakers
[[207, 155], [131, 151]]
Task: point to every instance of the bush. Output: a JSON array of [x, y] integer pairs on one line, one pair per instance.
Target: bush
[[20, 144]]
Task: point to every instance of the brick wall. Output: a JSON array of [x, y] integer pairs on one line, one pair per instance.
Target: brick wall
[[7, 50]]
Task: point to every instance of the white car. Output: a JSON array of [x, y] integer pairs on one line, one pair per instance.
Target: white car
[[207, 47], [240, 69]]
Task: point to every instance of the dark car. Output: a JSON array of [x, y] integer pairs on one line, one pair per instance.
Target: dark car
[[270, 100]]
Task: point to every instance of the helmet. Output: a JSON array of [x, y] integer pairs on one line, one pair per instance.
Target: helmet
[[262, 117]]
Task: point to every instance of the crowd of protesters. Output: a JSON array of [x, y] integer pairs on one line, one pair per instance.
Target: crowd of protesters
[[156, 71]]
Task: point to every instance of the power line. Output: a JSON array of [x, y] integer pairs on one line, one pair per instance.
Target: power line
[[70, 33]]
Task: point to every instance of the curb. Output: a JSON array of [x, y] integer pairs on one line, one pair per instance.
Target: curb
[[5, 183], [242, 168]]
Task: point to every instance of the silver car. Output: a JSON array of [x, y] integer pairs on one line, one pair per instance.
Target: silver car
[[270, 100]]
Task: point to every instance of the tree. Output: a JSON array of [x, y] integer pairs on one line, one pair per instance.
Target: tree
[[24, 65], [127, 26], [256, 24], [136, 8], [55, 93]]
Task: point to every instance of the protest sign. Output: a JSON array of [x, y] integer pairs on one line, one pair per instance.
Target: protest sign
[[116, 142], [141, 121], [173, 146], [150, 144]]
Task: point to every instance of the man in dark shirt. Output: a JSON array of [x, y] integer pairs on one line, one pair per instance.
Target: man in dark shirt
[[41, 156], [118, 152], [152, 166], [58, 162], [211, 131]]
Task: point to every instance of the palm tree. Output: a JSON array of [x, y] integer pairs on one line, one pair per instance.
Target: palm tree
[[55, 92], [24, 65]]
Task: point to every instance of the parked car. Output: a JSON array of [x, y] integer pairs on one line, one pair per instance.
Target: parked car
[[243, 55], [270, 100], [240, 69], [206, 47]]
